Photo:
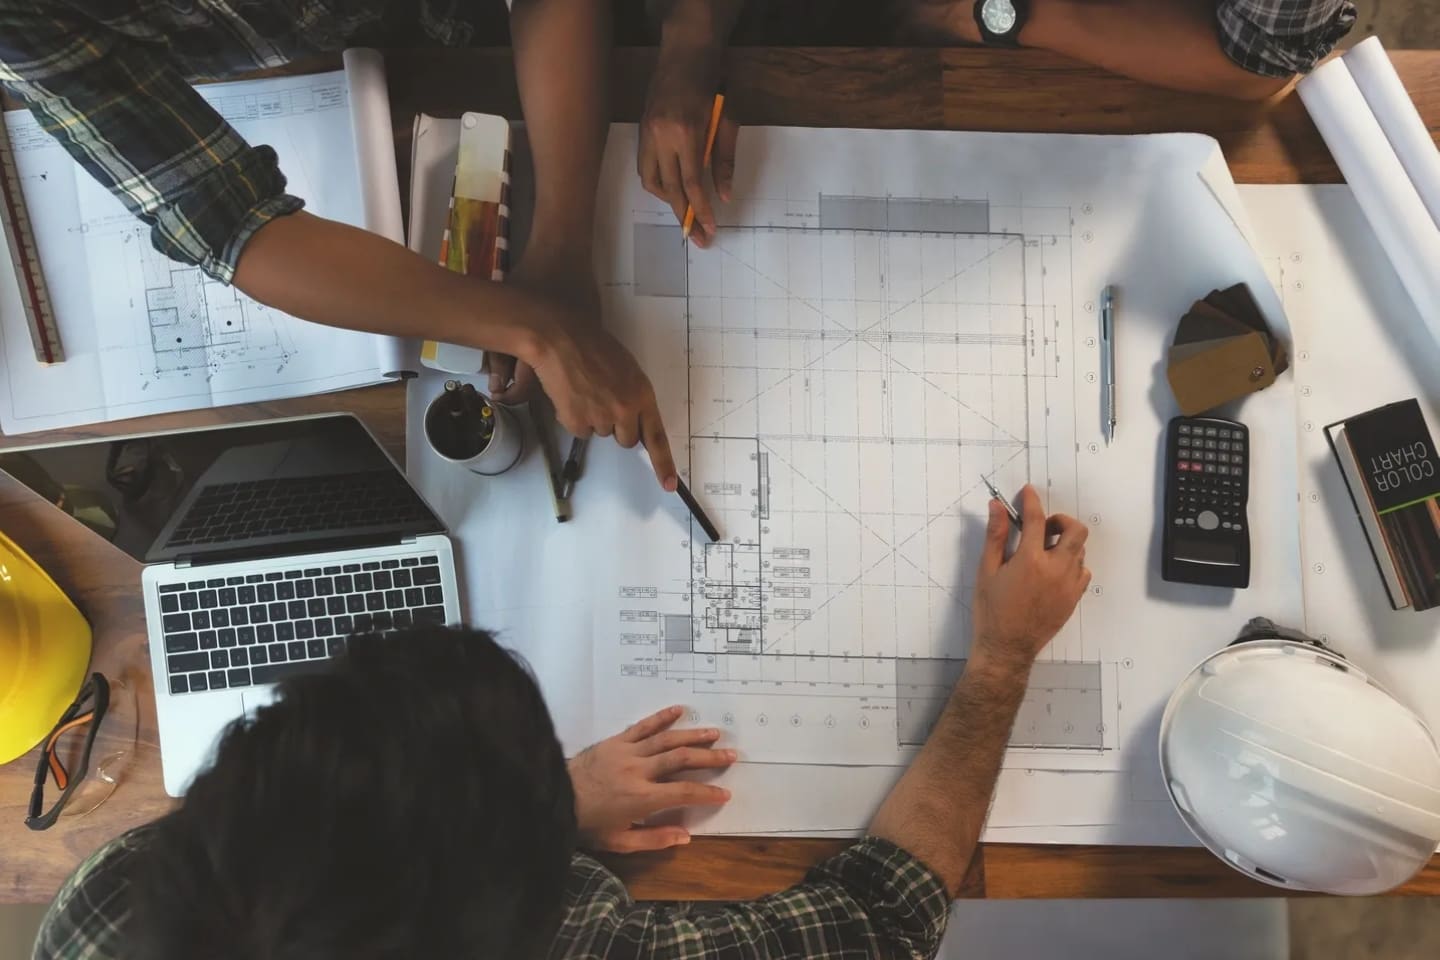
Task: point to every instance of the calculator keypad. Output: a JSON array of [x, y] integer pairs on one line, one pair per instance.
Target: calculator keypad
[[1211, 476]]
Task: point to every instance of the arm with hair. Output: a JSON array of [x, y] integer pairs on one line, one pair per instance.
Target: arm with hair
[[888, 895], [937, 809], [1170, 43], [562, 67]]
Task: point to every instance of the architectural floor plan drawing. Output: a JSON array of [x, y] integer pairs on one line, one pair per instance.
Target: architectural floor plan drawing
[[855, 364], [145, 334], [188, 324]]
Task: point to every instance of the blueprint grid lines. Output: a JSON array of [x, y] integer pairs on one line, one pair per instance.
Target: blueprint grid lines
[[823, 372], [844, 390]]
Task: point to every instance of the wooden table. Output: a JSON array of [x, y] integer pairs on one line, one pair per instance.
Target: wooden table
[[895, 88]]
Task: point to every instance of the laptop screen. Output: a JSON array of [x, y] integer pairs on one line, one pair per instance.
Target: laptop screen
[[259, 489]]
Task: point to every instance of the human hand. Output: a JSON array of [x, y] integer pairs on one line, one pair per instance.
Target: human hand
[[621, 781], [594, 382], [671, 158], [1021, 603], [572, 285]]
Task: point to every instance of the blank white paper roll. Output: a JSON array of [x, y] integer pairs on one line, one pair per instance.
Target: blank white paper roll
[[379, 181], [1380, 85], [1393, 207]]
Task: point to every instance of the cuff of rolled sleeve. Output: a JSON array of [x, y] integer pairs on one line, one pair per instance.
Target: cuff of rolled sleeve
[[222, 265], [1253, 48], [211, 222], [904, 897]]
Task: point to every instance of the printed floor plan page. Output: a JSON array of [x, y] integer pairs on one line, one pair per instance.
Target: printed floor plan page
[[859, 347], [146, 334]]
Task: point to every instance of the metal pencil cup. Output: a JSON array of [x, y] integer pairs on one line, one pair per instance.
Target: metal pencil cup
[[463, 426]]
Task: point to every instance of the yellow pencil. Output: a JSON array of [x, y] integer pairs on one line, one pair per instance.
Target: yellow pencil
[[709, 147]]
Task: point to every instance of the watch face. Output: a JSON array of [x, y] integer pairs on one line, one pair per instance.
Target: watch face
[[999, 16]]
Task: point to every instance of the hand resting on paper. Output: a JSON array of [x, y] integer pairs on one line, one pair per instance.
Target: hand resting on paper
[[620, 781]]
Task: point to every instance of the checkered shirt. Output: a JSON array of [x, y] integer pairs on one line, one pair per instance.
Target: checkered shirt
[[872, 900], [1280, 38], [109, 79]]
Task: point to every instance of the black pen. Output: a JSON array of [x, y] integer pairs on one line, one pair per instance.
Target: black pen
[[696, 511]]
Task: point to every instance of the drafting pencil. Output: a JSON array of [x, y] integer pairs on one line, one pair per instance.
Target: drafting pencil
[[715, 111]]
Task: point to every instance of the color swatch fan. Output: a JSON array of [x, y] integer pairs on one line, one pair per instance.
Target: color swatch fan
[[1223, 350]]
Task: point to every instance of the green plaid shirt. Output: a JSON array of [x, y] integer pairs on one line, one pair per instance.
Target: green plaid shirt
[[872, 900], [109, 79]]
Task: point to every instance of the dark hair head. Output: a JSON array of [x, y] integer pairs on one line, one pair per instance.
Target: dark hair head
[[412, 802]]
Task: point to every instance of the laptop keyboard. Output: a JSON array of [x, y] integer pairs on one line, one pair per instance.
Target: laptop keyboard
[[267, 508], [238, 631]]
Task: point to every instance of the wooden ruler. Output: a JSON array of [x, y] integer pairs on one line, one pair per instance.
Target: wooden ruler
[[25, 257]]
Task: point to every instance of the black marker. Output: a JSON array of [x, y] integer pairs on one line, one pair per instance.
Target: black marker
[[696, 512]]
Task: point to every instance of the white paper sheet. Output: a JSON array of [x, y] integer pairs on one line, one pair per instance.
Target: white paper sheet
[[379, 180], [1391, 202], [1358, 346], [1396, 113], [1072, 213], [436, 146], [1160, 629], [523, 577], [144, 334]]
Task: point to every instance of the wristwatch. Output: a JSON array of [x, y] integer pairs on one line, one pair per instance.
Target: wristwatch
[[1000, 21]]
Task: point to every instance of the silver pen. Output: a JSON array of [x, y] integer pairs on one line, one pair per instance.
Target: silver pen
[[1009, 507], [1107, 339]]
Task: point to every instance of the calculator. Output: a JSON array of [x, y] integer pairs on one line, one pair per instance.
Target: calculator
[[1207, 487]]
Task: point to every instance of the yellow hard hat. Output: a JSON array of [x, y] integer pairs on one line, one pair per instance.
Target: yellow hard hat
[[44, 652]]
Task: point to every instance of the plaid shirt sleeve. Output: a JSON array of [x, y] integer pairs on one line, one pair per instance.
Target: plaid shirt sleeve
[[1280, 38], [129, 118], [873, 900], [88, 918]]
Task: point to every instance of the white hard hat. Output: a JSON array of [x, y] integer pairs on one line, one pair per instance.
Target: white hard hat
[[1299, 770]]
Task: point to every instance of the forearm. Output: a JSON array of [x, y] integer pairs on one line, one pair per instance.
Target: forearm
[[335, 274], [937, 809], [1169, 43], [562, 65], [691, 23]]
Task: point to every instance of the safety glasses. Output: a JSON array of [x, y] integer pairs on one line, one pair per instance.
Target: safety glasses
[[67, 752]]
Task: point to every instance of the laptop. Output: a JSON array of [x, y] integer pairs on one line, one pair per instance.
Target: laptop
[[265, 546]]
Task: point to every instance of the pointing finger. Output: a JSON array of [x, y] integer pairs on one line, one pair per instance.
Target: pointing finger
[[657, 444]]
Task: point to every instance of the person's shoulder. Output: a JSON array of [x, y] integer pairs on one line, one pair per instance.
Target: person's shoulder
[[590, 880], [1294, 12], [89, 915]]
